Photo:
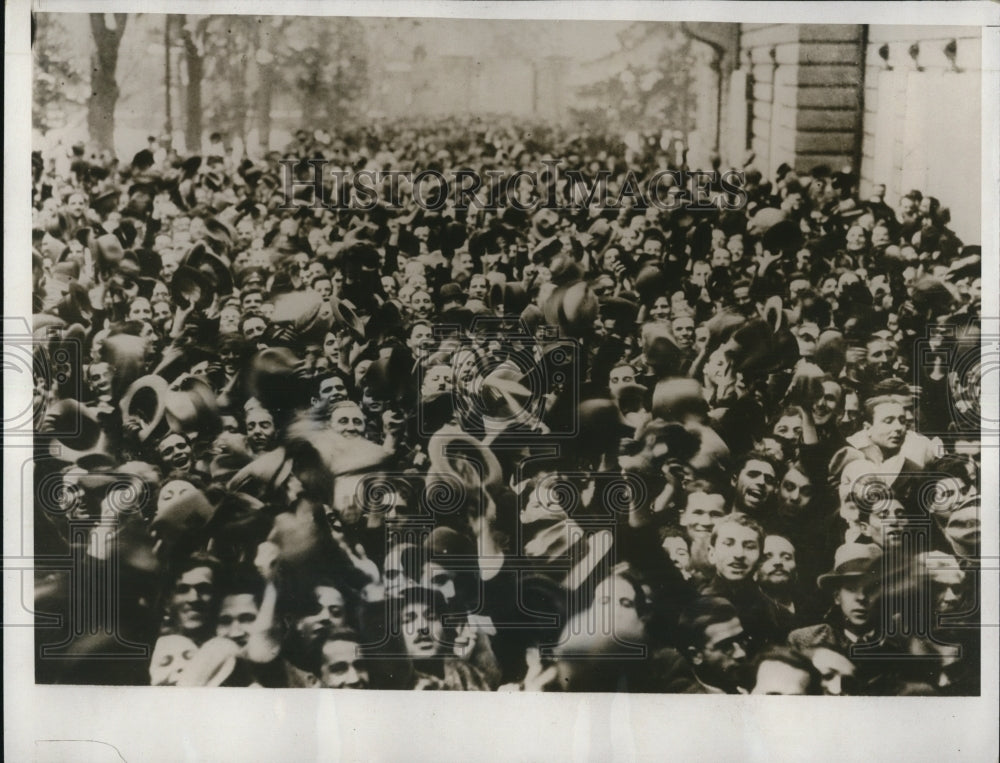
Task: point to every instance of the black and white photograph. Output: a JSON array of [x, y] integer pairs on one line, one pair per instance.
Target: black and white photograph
[[396, 351]]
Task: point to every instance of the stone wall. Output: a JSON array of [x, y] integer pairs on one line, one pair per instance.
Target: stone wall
[[804, 84], [899, 105], [922, 120]]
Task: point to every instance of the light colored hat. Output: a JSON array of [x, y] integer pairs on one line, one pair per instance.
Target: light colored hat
[[851, 560]]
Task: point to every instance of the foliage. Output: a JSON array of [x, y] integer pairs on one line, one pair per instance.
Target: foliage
[[246, 60], [61, 84], [326, 66], [655, 89]]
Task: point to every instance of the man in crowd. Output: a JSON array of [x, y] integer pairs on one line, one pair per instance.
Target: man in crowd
[[333, 393]]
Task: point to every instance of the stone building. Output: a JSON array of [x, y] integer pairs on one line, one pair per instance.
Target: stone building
[[900, 106]]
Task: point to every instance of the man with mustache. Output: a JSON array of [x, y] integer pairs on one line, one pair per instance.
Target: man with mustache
[[715, 644], [735, 552], [755, 485], [430, 644], [777, 577]]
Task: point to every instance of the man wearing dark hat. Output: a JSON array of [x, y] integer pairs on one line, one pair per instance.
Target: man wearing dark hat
[[853, 584]]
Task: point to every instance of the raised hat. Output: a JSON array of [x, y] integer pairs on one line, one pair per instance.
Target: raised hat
[[212, 265], [108, 250], [76, 432], [511, 297], [573, 308], [191, 285], [181, 508], [191, 407], [146, 400]]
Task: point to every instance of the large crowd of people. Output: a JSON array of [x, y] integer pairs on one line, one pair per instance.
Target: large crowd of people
[[547, 444]]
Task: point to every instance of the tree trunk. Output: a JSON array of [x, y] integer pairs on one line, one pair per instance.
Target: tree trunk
[[195, 62], [264, 91], [103, 85], [238, 82], [167, 86]]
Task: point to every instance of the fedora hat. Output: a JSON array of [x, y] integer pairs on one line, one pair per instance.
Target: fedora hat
[[76, 433], [450, 445], [619, 309], [216, 268], [851, 561], [143, 160], [303, 313], [190, 407], [191, 285], [510, 298], [345, 314], [676, 399], [385, 322], [650, 284], [272, 378], [146, 400], [181, 508], [782, 238], [451, 292], [105, 203], [220, 231], [631, 398], [190, 166], [390, 376], [150, 263], [504, 395], [660, 349], [765, 219], [108, 250], [573, 308], [229, 455]]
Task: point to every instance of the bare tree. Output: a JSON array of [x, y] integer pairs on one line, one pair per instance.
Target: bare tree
[[103, 84], [269, 37], [193, 35]]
